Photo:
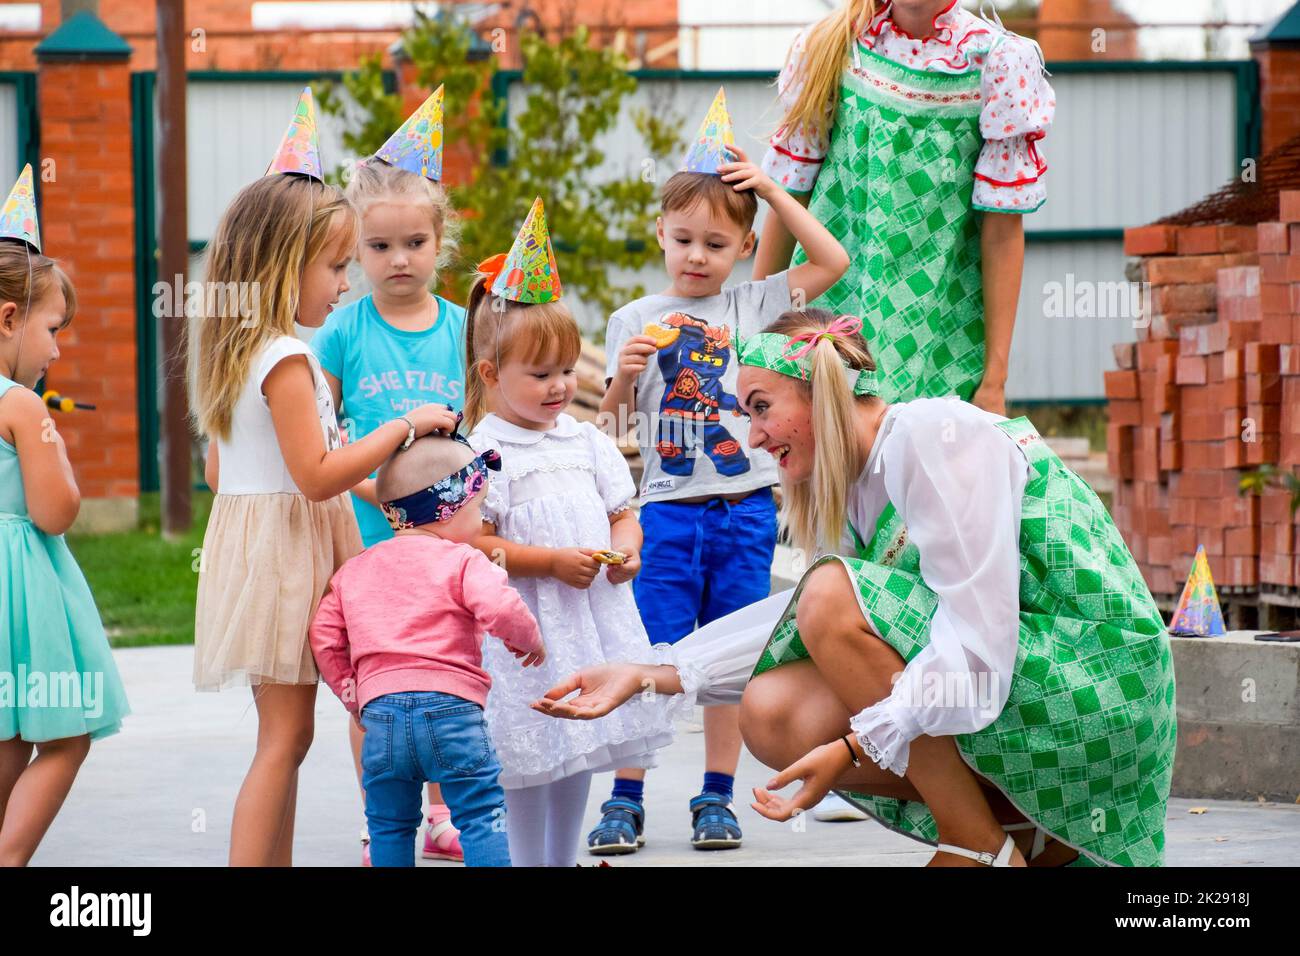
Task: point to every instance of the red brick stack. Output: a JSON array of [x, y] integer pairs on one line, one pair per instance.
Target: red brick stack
[[1209, 392]]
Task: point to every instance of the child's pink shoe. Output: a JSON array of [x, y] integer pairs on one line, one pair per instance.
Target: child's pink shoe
[[442, 841], [365, 848]]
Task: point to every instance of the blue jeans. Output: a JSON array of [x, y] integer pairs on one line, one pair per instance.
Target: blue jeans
[[702, 561], [416, 736]]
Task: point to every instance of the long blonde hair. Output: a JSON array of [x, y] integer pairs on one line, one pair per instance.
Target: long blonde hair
[[497, 330], [813, 511], [826, 51], [268, 234]]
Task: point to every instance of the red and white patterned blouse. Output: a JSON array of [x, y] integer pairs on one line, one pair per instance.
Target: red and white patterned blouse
[[1018, 104]]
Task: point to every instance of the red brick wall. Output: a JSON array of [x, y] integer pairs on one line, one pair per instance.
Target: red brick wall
[[1210, 391], [231, 44], [88, 222]]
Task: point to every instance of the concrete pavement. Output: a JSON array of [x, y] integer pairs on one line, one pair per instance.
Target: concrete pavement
[[161, 794]]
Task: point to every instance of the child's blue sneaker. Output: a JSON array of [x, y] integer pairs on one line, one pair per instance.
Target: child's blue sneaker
[[619, 830], [716, 827]]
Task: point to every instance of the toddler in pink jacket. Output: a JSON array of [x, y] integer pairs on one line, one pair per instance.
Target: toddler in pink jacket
[[398, 637]]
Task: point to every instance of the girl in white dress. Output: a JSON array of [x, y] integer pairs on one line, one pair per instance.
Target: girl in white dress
[[558, 506]]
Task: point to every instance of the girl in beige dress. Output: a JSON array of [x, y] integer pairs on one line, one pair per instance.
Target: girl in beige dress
[[281, 523]]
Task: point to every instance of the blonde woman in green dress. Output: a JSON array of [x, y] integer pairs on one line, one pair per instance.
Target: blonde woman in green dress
[[972, 656], [909, 129]]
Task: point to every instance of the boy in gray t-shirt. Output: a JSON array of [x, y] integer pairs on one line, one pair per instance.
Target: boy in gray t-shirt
[[708, 513]]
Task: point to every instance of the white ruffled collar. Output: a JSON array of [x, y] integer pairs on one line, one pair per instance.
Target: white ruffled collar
[[942, 26], [496, 427]]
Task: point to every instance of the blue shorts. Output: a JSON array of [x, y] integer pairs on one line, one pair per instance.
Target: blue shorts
[[703, 561]]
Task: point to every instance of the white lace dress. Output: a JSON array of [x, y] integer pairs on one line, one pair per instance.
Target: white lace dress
[[557, 489]]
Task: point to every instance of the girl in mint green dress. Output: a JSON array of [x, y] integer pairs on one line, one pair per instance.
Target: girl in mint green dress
[[59, 687]]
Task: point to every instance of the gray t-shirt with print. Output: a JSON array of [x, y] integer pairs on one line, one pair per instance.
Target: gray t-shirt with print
[[693, 439]]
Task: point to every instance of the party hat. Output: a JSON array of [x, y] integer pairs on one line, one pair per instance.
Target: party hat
[[417, 144], [1198, 613], [299, 151], [708, 150], [529, 274], [18, 214]]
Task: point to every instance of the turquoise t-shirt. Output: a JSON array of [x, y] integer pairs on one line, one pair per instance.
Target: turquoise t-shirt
[[387, 372]]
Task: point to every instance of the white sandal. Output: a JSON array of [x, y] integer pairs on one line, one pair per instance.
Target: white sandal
[[1003, 857], [1040, 837]]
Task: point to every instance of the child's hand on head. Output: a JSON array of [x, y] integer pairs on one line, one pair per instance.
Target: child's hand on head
[[575, 566], [432, 418], [634, 356], [745, 175]]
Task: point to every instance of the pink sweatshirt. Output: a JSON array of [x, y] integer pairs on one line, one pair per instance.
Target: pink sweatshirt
[[409, 614]]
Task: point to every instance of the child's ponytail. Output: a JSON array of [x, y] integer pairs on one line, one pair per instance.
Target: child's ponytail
[[475, 387]]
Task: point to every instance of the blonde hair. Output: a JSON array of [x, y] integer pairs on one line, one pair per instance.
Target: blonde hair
[[825, 57], [267, 236], [27, 277], [376, 181], [814, 511], [498, 330]]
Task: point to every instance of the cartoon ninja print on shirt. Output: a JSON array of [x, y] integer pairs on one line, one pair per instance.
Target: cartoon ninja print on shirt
[[693, 365]]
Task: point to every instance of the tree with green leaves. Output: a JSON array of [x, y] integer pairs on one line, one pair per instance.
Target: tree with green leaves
[[572, 96]]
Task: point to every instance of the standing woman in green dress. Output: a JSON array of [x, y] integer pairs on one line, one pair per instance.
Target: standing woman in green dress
[[910, 130]]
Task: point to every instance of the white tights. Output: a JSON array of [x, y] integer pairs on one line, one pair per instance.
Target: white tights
[[544, 823]]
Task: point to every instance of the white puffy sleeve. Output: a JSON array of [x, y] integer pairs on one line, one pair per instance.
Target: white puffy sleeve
[[1018, 108], [957, 485], [497, 500], [613, 477], [794, 157], [715, 662]]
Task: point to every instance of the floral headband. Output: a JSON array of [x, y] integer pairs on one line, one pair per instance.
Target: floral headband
[[792, 355], [441, 500]]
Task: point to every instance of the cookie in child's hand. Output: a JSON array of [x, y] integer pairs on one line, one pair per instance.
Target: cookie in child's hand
[[663, 337], [610, 557]]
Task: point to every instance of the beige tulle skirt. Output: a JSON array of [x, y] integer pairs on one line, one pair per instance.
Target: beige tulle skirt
[[266, 562]]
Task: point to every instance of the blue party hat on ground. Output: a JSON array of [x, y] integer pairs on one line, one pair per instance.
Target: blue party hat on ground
[[1198, 613]]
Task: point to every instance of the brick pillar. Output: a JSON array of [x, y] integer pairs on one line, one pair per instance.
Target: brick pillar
[[88, 222], [457, 158], [1279, 91]]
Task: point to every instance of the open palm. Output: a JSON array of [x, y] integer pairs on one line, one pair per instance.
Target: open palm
[[600, 690]]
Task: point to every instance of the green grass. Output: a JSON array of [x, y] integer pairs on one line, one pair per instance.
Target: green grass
[[144, 584], [1052, 420]]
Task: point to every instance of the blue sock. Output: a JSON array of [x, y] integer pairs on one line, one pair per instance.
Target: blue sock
[[635, 789], [719, 783]]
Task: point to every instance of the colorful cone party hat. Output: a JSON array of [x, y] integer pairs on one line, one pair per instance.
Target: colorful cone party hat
[[299, 151], [1198, 613], [529, 274], [417, 144], [18, 214], [708, 150]]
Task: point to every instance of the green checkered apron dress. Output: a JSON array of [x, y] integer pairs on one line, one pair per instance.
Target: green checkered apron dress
[[895, 190], [1085, 744]]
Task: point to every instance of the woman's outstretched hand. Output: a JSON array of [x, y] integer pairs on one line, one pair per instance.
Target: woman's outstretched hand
[[818, 769], [601, 689]]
